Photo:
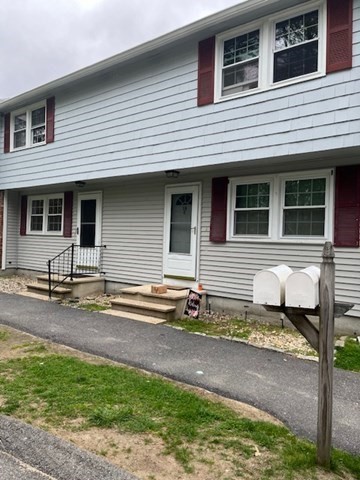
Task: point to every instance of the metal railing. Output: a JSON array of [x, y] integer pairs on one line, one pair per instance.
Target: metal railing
[[74, 262]]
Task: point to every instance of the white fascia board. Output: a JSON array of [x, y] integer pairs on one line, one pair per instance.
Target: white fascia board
[[164, 41]]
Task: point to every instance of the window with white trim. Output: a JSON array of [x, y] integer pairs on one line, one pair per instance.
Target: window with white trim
[[252, 207], [241, 63], [45, 214], [297, 206], [28, 127], [271, 52], [296, 46], [304, 207]]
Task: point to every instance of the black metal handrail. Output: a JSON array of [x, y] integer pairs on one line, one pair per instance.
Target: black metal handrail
[[74, 261]]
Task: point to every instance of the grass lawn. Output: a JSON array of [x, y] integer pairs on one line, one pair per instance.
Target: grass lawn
[[201, 439], [348, 357]]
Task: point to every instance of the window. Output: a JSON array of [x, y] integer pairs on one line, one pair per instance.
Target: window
[[252, 204], [304, 207], [241, 63], [271, 52], [45, 214], [28, 127], [281, 207], [296, 46]]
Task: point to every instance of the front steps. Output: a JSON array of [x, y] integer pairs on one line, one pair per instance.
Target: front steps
[[76, 288], [150, 307]]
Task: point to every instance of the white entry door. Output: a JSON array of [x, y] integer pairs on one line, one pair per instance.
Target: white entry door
[[181, 231], [89, 232]]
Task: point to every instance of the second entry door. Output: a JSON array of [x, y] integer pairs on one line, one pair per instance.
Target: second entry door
[[89, 231]]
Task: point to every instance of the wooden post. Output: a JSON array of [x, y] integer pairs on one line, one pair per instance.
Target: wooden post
[[326, 355]]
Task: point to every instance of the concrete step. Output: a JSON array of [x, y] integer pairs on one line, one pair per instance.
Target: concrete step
[[157, 310], [134, 316], [58, 292], [175, 298], [79, 286]]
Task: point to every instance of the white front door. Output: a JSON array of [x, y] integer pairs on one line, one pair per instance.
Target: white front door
[[181, 232], [89, 232]]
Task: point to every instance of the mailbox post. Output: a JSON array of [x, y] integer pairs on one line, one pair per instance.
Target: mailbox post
[[326, 355], [309, 292]]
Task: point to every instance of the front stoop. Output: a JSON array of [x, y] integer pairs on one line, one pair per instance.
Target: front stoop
[[76, 288], [149, 306]]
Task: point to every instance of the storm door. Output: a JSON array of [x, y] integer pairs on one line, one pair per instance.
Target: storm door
[[89, 232], [181, 232]]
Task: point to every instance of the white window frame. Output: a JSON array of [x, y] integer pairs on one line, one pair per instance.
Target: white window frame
[[276, 203], [233, 183], [45, 215], [28, 139], [329, 203], [267, 50]]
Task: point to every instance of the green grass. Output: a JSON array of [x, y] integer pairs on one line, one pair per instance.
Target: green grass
[[57, 389], [3, 336], [348, 357], [93, 307], [232, 328], [33, 347]]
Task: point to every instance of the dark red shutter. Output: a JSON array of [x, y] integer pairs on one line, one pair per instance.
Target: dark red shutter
[[23, 215], [347, 206], [68, 213], [50, 120], [7, 133], [339, 35], [218, 209], [206, 67]]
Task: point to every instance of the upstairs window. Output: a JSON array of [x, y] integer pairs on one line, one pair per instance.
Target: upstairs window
[[241, 63], [45, 214], [271, 52], [296, 46], [28, 127]]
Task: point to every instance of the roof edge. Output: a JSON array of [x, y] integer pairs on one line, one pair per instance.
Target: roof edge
[[151, 45]]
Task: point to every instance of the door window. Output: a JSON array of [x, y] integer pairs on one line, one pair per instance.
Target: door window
[[180, 223], [88, 223]]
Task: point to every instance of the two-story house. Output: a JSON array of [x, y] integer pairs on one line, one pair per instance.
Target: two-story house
[[203, 156]]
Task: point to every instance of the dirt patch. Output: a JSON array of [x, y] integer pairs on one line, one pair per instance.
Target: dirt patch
[[142, 454]]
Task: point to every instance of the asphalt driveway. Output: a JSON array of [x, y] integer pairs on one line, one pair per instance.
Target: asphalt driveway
[[277, 383]]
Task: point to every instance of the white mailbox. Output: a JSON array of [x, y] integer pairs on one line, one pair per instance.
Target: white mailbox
[[269, 285], [302, 288]]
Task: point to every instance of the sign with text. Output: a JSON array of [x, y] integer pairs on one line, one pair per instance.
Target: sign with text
[[192, 308]]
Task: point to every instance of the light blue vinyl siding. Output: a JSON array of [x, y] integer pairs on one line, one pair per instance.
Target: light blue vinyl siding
[[228, 269], [133, 231], [12, 231], [143, 118]]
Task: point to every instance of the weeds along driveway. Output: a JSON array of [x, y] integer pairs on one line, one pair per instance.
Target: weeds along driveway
[[277, 383]]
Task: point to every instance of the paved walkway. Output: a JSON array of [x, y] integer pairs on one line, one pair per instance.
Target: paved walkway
[[277, 383], [28, 453]]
